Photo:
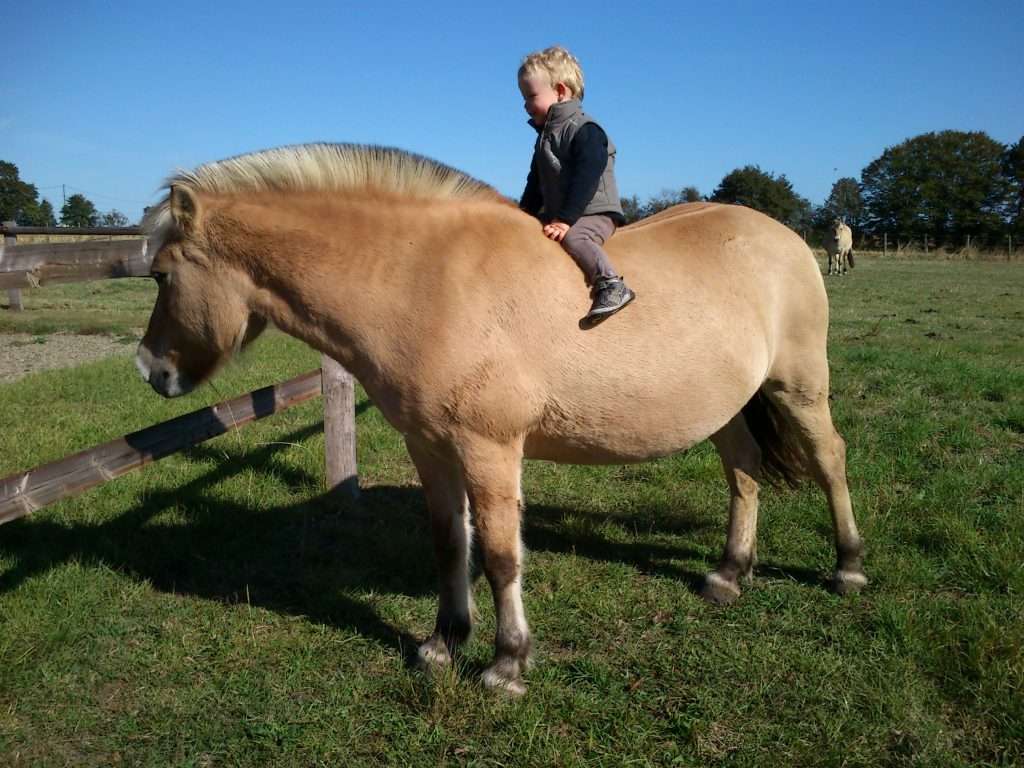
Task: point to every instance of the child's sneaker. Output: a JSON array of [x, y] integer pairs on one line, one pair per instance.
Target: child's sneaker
[[610, 295]]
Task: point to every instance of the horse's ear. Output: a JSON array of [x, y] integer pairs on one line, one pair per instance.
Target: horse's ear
[[185, 209]]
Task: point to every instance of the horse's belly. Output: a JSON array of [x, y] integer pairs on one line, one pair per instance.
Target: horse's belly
[[578, 449], [622, 434]]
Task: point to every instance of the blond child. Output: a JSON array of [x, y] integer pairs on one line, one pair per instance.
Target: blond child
[[571, 185]]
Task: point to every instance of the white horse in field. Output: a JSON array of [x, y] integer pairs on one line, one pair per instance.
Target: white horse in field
[[839, 248]]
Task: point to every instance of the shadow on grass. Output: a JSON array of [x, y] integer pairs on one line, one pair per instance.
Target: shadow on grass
[[305, 559], [544, 531], [316, 557]]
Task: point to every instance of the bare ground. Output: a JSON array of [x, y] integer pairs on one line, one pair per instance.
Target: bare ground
[[24, 353]]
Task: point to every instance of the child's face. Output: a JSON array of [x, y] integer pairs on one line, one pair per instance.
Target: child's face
[[539, 95]]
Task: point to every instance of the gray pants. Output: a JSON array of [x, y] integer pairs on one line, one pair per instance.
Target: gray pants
[[583, 241]]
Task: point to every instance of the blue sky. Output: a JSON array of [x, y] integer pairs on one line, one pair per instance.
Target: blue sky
[[110, 98]]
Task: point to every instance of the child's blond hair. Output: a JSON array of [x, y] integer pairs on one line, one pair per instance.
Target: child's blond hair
[[558, 64]]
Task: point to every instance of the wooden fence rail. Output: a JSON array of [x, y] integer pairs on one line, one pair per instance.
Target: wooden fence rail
[[37, 264], [25, 492], [9, 227], [32, 266]]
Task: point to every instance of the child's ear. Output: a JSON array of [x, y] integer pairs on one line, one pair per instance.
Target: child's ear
[[564, 94]]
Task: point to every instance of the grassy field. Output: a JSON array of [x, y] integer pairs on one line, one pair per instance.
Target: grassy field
[[217, 609], [116, 307]]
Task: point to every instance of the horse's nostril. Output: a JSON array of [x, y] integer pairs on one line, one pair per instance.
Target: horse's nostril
[[166, 375]]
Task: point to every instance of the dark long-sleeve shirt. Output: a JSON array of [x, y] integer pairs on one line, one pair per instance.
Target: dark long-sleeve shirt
[[588, 156]]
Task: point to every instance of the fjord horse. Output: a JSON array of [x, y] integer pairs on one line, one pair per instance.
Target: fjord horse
[[460, 320], [839, 247]]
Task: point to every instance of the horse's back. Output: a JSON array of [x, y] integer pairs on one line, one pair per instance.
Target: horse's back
[[748, 274], [720, 289]]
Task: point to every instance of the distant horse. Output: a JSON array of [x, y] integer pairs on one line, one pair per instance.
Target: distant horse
[[459, 318], [839, 247]]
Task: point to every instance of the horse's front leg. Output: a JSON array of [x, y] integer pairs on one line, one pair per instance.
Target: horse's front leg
[[449, 522], [492, 475]]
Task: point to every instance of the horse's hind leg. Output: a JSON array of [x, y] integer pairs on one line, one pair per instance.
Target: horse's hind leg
[[741, 460], [807, 410], [449, 522]]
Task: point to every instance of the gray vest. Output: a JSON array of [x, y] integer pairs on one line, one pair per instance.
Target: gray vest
[[551, 154]]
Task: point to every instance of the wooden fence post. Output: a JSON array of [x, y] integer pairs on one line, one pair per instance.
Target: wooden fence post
[[13, 294], [340, 428], [885, 244]]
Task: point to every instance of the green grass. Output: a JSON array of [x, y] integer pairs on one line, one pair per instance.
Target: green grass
[[217, 609], [115, 307]]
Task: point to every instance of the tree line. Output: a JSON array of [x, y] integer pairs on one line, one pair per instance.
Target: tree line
[[20, 202], [936, 189]]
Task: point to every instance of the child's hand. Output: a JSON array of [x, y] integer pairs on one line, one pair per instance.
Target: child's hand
[[556, 230]]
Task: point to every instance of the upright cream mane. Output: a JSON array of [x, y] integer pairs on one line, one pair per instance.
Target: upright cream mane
[[323, 167]]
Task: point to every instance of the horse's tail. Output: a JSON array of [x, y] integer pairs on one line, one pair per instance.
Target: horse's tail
[[782, 458], [850, 258]]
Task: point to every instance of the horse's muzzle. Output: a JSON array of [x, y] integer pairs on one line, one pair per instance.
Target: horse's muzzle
[[163, 377]]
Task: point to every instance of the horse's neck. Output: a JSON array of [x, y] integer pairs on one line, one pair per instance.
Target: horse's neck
[[336, 278]]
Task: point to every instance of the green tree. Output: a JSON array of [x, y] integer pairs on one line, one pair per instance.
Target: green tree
[[843, 202], [113, 218], [765, 192], [79, 211], [634, 211], [631, 208], [18, 199], [46, 215], [943, 186], [659, 202], [1013, 169], [38, 214]]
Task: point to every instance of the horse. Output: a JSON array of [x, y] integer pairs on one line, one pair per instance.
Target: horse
[[839, 247], [460, 320]]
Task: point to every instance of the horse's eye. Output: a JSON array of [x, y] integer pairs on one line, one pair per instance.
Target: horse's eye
[[159, 277]]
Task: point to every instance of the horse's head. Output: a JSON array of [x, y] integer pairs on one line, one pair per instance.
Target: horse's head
[[202, 314]]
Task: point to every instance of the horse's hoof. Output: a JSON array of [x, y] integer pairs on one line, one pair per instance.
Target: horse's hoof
[[513, 687], [433, 656], [848, 582], [504, 676], [718, 590]]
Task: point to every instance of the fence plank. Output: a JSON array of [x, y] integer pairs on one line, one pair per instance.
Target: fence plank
[[25, 492], [9, 227], [339, 428], [47, 263]]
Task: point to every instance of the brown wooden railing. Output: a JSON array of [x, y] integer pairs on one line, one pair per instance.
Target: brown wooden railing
[[37, 264]]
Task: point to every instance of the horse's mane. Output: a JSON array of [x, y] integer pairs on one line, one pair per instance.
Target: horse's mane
[[327, 168]]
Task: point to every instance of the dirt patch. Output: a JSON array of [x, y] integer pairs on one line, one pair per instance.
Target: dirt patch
[[24, 353]]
